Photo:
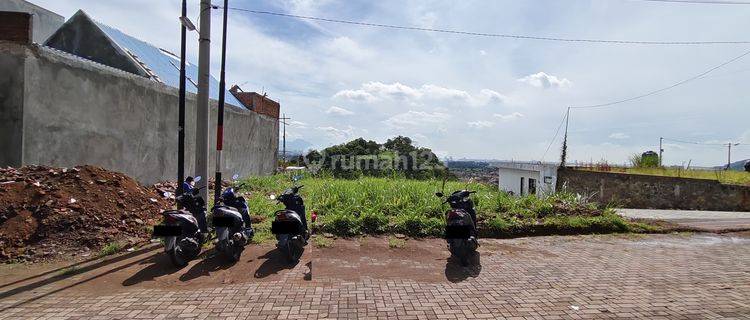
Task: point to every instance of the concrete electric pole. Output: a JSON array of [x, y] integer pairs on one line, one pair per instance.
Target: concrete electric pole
[[661, 150], [203, 114], [283, 143]]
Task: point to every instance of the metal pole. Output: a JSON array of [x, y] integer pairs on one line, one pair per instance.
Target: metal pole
[[202, 114], [220, 122], [661, 150], [181, 121]]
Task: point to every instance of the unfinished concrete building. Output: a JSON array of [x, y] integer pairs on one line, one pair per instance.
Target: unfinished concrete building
[[95, 95]]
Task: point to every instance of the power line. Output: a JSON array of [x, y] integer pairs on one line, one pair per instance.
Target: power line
[[565, 115], [484, 34], [603, 105], [694, 142], [697, 1]]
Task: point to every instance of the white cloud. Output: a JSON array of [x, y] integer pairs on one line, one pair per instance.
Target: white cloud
[[336, 133], [417, 118], [297, 124], [546, 81], [481, 124], [394, 90], [508, 117], [339, 111], [378, 91], [355, 95], [619, 136], [346, 48]]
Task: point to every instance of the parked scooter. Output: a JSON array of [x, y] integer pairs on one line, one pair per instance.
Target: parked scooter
[[180, 229], [460, 225], [231, 234], [290, 225]]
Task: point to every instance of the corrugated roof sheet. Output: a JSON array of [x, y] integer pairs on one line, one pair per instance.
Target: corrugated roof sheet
[[164, 65]]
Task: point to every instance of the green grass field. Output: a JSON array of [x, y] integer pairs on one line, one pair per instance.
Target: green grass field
[[397, 205], [727, 177]]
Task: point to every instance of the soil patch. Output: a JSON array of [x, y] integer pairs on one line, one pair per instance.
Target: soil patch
[[50, 213]]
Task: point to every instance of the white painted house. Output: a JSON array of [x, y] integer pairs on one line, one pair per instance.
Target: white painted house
[[523, 178]]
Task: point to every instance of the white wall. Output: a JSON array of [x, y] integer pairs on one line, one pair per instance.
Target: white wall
[[510, 180]]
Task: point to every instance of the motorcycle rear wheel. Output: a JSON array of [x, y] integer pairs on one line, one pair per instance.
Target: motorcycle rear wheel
[[177, 257]]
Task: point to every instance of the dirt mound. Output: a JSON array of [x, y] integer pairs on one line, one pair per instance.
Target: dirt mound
[[48, 213]]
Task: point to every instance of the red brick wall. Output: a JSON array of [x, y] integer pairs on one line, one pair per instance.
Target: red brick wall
[[257, 102], [15, 26]]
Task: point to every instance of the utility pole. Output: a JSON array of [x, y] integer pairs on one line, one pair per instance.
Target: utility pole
[[729, 154], [220, 122], [181, 121], [661, 150], [564, 152], [283, 152], [202, 114]]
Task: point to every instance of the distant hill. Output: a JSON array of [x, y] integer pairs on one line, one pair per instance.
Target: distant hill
[[738, 165]]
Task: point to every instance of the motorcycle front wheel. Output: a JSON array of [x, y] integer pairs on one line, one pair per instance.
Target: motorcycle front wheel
[[232, 252]]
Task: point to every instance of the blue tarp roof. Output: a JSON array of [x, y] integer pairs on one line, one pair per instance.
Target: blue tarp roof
[[164, 64]]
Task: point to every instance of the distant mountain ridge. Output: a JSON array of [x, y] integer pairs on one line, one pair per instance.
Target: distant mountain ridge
[[295, 147], [737, 165]]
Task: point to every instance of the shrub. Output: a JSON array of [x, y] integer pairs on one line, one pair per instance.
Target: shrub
[[110, 249], [500, 225], [341, 224], [419, 225], [373, 223]]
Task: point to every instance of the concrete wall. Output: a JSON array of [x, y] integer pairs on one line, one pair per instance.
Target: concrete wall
[[78, 112], [654, 192], [11, 104], [44, 22]]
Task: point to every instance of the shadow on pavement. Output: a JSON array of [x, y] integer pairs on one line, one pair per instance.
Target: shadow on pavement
[[455, 272], [158, 265], [275, 262], [73, 272], [212, 263], [113, 270]]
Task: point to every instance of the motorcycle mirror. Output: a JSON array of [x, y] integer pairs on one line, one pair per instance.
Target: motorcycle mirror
[[439, 194], [198, 178], [272, 197]]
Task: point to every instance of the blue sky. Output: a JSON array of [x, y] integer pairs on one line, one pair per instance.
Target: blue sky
[[479, 97]]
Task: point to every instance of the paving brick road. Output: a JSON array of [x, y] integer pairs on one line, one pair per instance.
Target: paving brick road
[[716, 221], [680, 276]]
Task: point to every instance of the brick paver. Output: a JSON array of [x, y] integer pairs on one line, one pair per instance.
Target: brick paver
[[680, 276]]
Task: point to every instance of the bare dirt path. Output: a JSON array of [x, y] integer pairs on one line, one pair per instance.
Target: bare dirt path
[[609, 276]]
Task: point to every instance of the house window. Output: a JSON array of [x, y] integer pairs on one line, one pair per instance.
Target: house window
[[520, 192], [532, 186]]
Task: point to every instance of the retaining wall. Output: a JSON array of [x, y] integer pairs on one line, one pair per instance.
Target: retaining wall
[[655, 192]]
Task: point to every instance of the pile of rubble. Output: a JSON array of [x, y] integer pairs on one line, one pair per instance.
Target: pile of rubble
[[48, 213]]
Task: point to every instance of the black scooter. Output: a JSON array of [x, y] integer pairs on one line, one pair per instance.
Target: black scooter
[[231, 235], [180, 229], [460, 225], [289, 225]]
